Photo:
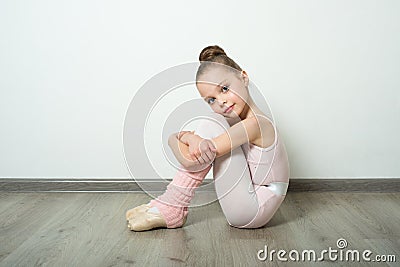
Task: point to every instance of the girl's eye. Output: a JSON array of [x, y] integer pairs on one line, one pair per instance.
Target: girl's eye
[[209, 100], [224, 88]]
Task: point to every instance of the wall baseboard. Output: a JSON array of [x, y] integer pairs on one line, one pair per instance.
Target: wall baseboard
[[156, 185]]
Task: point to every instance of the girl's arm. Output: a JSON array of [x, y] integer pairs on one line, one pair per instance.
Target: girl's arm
[[242, 132]]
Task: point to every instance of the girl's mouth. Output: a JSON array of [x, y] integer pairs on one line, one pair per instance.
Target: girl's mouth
[[229, 109]]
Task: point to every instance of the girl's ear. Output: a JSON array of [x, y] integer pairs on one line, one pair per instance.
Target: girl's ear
[[245, 77]]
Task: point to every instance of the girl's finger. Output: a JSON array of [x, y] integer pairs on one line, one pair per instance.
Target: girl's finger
[[204, 151], [212, 147], [213, 154], [200, 160], [196, 159], [209, 156], [205, 159], [205, 156]]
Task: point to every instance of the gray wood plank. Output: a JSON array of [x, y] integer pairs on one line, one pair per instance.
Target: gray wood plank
[[89, 229]]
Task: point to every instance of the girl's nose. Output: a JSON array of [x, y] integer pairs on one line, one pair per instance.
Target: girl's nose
[[221, 101]]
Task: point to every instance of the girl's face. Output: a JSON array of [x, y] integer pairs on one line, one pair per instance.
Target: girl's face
[[224, 91]]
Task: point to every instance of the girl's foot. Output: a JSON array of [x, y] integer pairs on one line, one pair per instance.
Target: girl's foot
[[146, 220], [132, 213], [145, 217]]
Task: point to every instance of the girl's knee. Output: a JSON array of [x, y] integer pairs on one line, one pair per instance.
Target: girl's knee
[[217, 119], [240, 223], [255, 222], [212, 125], [241, 220]]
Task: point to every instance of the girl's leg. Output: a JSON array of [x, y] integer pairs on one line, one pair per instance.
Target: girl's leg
[[244, 204], [171, 208], [233, 183], [173, 204], [239, 201]]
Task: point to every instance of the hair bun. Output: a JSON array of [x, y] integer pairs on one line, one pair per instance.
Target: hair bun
[[208, 53]]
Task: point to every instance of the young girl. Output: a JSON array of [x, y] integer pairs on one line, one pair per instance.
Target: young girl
[[251, 168]]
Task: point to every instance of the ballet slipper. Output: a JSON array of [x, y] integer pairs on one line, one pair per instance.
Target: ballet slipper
[[143, 220], [133, 212], [145, 223]]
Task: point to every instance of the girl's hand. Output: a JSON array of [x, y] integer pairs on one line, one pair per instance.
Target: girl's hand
[[200, 149], [181, 134], [208, 148]]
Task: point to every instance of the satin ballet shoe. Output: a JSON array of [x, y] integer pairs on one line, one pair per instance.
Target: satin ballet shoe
[[132, 213], [144, 220], [145, 223]]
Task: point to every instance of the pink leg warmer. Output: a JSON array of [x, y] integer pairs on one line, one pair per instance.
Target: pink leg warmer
[[173, 204]]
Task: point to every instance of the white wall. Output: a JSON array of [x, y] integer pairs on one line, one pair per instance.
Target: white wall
[[69, 69]]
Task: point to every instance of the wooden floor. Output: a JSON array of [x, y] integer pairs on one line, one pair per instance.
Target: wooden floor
[[89, 229]]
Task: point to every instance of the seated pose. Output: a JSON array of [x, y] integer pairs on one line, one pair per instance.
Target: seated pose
[[250, 164]]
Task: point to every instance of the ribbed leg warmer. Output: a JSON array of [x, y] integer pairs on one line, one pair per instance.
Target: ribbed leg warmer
[[173, 204]]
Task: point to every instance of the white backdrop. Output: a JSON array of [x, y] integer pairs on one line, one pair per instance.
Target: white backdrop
[[69, 69]]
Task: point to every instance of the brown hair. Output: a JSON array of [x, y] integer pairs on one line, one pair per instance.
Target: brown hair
[[211, 54]]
